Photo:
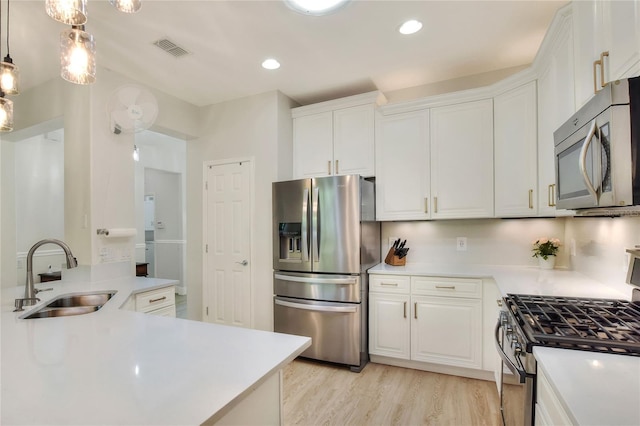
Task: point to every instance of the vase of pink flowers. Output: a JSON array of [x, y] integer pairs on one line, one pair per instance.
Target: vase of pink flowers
[[545, 249]]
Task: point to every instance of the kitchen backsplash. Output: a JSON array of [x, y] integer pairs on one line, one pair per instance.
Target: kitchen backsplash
[[600, 245], [489, 241]]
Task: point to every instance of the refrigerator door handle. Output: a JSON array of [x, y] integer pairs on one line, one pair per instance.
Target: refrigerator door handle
[[323, 280], [305, 226], [319, 308], [315, 234]]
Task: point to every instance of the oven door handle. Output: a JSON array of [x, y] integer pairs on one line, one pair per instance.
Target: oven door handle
[[318, 308], [522, 375]]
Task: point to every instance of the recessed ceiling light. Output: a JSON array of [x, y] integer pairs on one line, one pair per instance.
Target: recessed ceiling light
[[410, 27], [270, 64], [315, 7]]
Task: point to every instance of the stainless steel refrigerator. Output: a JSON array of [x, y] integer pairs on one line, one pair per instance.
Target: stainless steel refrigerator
[[325, 237]]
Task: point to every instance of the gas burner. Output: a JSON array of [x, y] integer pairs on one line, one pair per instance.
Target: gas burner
[[601, 325]]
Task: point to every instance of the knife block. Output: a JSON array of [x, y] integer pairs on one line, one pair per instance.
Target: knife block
[[394, 260]]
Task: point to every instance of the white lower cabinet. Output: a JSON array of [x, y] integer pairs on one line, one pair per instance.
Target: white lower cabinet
[[160, 301], [435, 320], [549, 409]]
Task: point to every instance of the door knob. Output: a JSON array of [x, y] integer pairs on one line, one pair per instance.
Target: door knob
[[243, 263]]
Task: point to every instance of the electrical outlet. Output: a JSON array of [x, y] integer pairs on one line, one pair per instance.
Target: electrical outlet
[[461, 243], [392, 240]]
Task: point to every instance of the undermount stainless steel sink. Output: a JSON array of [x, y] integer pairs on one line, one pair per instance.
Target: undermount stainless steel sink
[[72, 304]]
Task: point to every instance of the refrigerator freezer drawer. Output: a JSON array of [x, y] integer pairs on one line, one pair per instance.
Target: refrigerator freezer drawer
[[334, 328], [336, 288]]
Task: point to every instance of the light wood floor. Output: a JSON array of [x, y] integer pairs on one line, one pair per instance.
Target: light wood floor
[[321, 394]]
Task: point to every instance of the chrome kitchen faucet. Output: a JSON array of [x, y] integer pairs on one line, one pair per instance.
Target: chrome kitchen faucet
[[29, 290]]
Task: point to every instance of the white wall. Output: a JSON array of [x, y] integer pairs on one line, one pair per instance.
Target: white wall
[[248, 127], [489, 241], [600, 247]]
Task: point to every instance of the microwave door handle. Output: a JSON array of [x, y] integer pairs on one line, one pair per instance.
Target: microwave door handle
[[305, 225], [315, 237], [583, 159]]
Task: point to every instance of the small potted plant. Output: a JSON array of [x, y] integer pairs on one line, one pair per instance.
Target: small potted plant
[[545, 250]]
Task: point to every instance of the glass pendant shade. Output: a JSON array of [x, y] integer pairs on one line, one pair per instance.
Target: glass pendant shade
[[127, 6], [70, 12], [78, 56], [9, 77], [6, 114]]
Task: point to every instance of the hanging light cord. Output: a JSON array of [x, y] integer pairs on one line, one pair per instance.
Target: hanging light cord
[[7, 27]]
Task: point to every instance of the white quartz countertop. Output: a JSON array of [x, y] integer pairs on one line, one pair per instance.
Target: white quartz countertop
[[120, 367], [593, 388], [513, 279]]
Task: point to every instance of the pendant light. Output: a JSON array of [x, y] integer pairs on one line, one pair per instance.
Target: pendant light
[[127, 6], [77, 55], [9, 73], [6, 114], [70, 12]]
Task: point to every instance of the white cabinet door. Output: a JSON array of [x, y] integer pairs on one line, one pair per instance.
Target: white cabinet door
[[389, 325], [447, 331], [605, 26], [555, 106], [515, 145], [313, 145], [622, 38], [402, 166], [353, 141], [462, 160]]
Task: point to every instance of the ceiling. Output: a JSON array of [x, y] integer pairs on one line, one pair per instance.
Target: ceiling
[[354, 50]]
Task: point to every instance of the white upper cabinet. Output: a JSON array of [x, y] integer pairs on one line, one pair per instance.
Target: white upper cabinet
[[515, 146], [402, 166], [335, 137], [555, 105], [607, 31], [462, 160], [313, 145]]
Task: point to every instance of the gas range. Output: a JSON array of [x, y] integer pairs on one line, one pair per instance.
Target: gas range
[[599, 325]]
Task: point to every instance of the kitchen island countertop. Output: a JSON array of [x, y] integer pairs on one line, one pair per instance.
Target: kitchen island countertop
[[115, 366]]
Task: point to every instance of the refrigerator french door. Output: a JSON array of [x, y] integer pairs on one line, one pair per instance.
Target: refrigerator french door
[[324, 239]]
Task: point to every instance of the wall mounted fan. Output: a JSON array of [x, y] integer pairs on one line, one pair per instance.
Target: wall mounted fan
[[131, 109]]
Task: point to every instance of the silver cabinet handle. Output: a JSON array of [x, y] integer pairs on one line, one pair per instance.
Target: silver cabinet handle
[[446, 287], [426, 204], [531, 198], [318, 308], [390, 284], [159, 299], [551, 195], [329, 167], [243, 263], [405, 309], [435, 204], [337, 170], [415, 310]]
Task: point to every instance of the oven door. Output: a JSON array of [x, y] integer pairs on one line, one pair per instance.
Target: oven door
[[334, 327], [517, 401]]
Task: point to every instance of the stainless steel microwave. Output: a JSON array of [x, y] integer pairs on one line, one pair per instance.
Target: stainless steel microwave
[[596, 151]]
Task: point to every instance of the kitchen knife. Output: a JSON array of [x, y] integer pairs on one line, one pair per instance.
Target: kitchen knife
[[404, 253]]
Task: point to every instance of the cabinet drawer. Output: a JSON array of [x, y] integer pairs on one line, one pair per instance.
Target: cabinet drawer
[[389, 283], [155, 299], [450, 287], [168, 311]]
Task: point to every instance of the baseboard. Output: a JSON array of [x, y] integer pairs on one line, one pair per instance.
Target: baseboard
[[435, 368]]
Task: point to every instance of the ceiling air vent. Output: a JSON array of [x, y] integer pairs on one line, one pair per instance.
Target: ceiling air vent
[[170, 47]]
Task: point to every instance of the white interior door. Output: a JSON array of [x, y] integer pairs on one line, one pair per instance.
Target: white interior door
[[227, 243]]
